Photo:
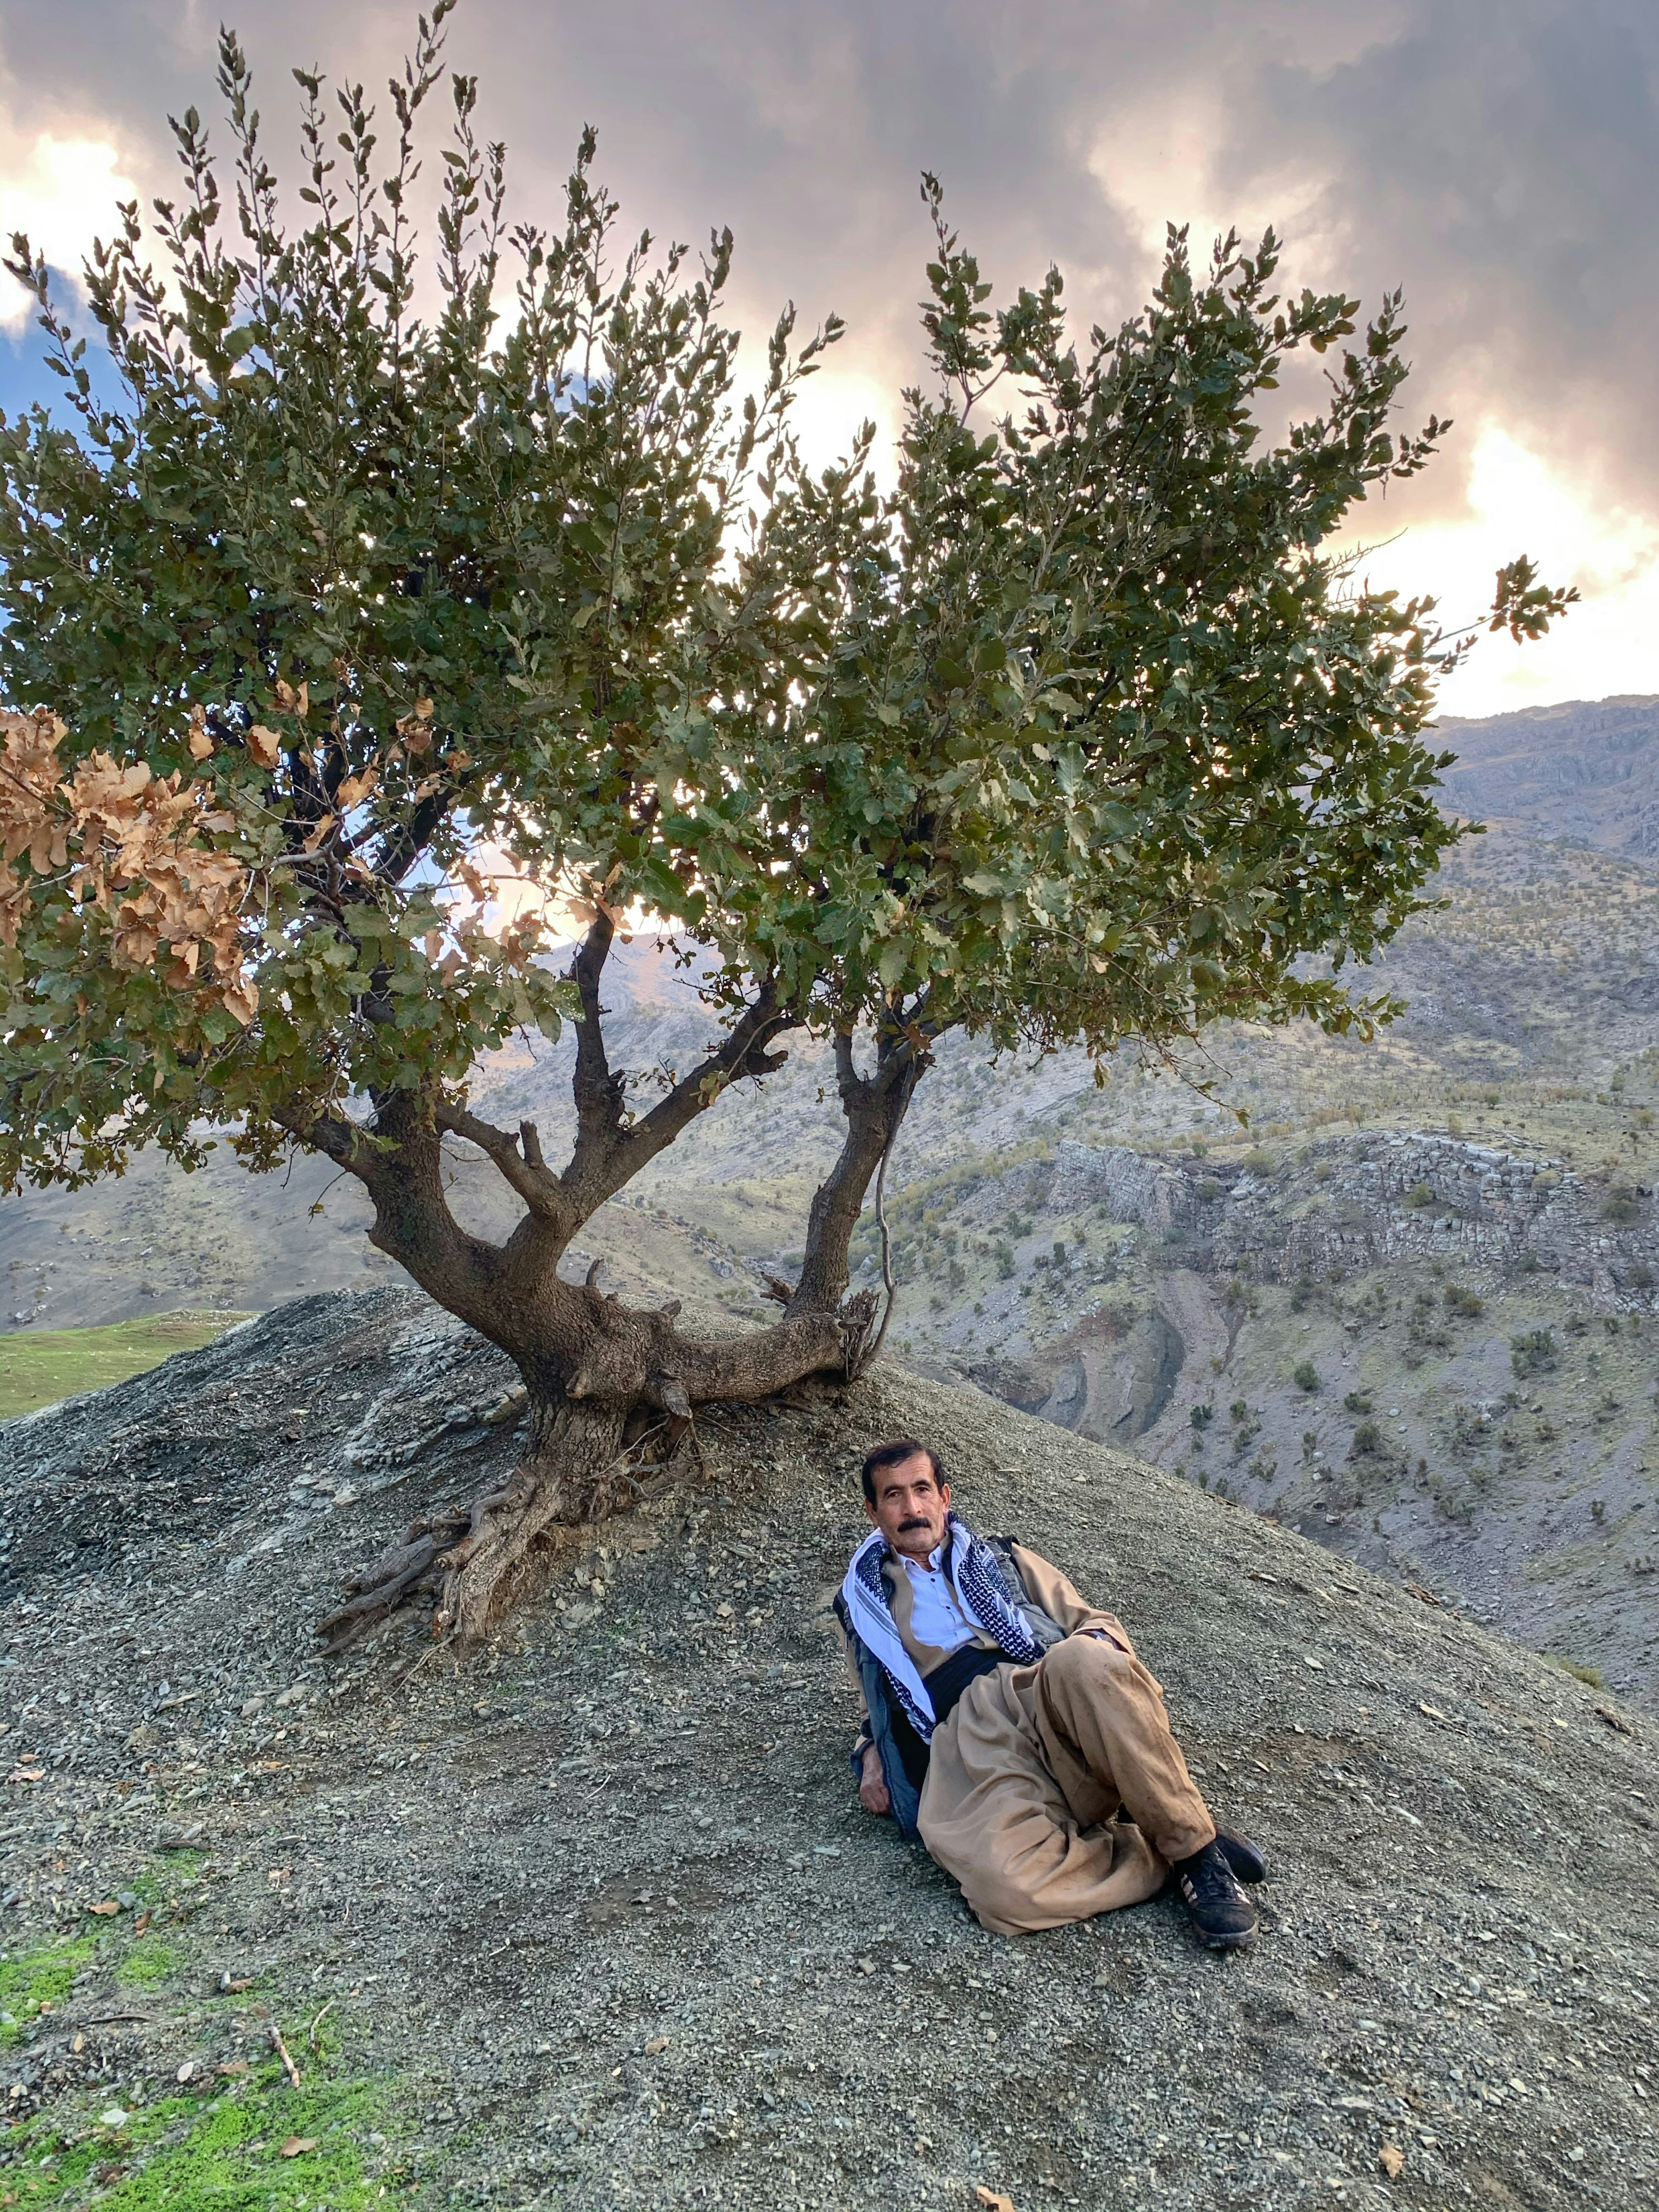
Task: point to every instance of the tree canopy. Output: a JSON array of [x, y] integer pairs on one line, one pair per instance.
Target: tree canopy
[[1080, 732]]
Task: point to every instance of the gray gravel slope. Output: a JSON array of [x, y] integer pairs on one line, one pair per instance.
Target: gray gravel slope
[[603, 1902]]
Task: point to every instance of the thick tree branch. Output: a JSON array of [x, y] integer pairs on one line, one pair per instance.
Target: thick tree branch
[[608, 1154], [519, 1158], [744, 1052], [875, 1106], [330, 1132], [598, 1093]]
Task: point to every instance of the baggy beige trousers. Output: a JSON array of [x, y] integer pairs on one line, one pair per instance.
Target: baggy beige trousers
[[1027, 1774]]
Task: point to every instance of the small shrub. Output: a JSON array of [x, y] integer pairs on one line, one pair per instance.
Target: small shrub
[[1305, 1375], [1641, 1277], [1258, 1163], [1005, 1260], [1620, 1208], [1201, 1416], [1419, 1195], [1591, 1675], [1358, 1402], [1238, 1410], [1535, 1353], [1598, 1510], [1464, 1303], [1367, 1439], [1209, 1190]]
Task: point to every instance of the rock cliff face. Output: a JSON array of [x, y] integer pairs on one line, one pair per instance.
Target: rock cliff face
[[1362, 1202], [1586, 769], [597, 1923], [1434, 1355]]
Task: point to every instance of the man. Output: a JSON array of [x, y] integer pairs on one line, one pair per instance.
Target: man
[[1011, 1727]]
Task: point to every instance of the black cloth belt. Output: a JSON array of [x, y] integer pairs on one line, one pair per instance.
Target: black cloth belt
[[948, 1680]]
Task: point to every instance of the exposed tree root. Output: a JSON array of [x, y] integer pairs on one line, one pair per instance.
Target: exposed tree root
[[624, 1413]]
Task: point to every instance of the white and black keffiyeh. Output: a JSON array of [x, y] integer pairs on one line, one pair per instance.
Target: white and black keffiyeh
[[981, 1588]]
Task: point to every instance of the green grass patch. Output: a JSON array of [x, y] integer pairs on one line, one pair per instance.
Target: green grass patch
[[36, 1369], [224, 2154], [29, 1980], [150, 1962]]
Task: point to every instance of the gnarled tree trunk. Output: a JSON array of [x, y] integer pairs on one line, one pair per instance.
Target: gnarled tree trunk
[[611, 1388]]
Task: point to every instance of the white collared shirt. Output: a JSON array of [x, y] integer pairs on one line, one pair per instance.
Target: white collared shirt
[[936, 1614]]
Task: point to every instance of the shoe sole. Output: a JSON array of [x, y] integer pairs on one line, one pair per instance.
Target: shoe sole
[[1240, 1942]]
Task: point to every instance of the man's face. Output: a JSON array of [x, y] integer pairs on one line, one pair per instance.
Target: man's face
[[910, 1506]]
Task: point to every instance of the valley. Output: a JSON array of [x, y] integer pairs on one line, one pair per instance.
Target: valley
[[1399, 1295]]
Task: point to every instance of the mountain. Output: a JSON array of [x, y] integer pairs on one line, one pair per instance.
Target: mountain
[[1588, 770], [596, 1921], [1396, 1214]]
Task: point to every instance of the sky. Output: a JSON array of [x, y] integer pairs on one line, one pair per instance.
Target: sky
[[1498, 159]]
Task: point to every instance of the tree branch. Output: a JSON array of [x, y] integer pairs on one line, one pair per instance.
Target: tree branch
[[743, 1052], [518, 1158], [875, 1106], [598, 1093], [607, 1155]]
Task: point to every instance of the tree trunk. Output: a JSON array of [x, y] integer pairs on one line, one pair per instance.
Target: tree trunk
[[613, 1391]]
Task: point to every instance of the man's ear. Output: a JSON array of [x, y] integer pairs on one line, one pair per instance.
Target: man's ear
[[875, 1518], [944, 1495]]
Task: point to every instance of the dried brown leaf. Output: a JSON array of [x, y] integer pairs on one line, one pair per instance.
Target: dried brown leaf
[[297, 2144], [1392, 2160], [993, 2199]]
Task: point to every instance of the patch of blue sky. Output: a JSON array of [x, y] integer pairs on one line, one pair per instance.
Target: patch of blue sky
[[28, 380]]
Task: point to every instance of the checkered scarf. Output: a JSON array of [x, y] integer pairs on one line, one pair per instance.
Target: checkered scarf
[[981, 1587]]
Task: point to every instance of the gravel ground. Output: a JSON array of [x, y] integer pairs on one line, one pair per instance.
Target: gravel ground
[[602, 1909]]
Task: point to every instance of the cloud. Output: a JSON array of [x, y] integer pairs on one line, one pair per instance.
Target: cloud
[[1499, 158], [62, 192]]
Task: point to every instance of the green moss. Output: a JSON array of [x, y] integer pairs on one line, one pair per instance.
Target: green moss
[[181, 2155], [147, 1964], [29, 1980]]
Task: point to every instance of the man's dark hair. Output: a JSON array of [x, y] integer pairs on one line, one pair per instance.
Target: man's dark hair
[[895, 1454]]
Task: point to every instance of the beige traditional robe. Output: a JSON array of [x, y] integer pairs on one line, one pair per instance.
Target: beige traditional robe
[[1027, 1776]]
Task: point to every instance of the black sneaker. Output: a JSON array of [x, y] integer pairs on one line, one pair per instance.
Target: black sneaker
[[1223, 1918], [1241, 1854]]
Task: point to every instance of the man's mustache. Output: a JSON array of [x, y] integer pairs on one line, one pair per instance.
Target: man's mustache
[[917, 1521]]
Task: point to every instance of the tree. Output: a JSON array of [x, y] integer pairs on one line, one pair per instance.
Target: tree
[[1082, 732]]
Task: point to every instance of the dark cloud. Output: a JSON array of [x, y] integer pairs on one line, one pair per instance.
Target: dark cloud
[[1499, 158]]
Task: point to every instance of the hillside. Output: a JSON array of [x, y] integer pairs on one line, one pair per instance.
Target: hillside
[[1587, 769], [1038, 1258], [596, 1922]]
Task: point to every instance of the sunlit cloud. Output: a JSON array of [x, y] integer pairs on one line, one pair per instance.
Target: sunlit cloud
[[1517, 502], [62, 192]]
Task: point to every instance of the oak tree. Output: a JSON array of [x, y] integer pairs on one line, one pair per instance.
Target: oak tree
[[332, 594]]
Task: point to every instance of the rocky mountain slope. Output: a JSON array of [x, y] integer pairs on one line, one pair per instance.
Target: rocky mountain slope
[[596, 1921], [1587, 769], [1138, 1266]]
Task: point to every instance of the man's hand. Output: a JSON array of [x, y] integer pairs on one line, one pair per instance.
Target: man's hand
[[872, 1790]]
